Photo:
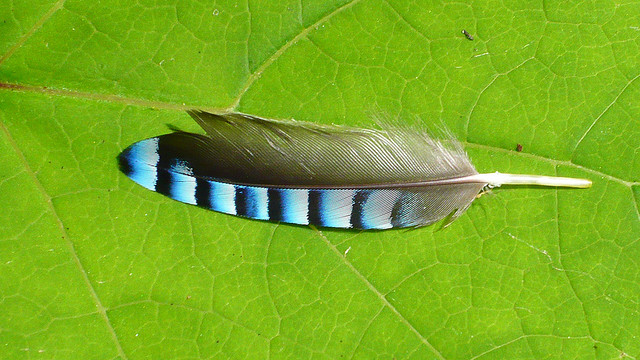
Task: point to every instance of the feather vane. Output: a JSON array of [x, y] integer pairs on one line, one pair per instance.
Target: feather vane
[[305, 174]]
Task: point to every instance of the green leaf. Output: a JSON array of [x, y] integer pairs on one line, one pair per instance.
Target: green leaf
[[94, 266]]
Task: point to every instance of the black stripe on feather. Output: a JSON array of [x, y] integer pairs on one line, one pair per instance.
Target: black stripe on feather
[[357, 211], [165, 160], [203, 193], [315, 218], [241, 201], [275, 204], [397, 213], [124, 162]]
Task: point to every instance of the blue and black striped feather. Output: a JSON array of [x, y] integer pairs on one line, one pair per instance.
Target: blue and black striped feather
[[302, 173]]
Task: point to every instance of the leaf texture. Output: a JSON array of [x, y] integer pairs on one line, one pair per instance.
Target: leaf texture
[[524, 274]]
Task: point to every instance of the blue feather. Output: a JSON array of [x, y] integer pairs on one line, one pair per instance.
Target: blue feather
[[339, 208], [312, 175]]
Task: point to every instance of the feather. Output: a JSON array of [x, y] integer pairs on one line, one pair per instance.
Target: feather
[[309, 174]]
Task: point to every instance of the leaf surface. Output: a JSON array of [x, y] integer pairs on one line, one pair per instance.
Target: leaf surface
[[94, 266]]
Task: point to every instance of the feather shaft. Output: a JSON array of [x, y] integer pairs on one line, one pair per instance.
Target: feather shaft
[[498, 179]]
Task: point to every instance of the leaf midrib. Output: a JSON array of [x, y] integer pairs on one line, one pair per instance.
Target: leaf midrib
[[184, 107], [233, 107]]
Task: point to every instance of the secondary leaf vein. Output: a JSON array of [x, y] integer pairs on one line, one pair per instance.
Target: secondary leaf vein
[[101, 309], [256, 74], [32, 31], [378, 294]]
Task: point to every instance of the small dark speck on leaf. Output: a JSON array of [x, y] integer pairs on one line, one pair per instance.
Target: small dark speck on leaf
[[519, 147], [188, 297], [467, 35]]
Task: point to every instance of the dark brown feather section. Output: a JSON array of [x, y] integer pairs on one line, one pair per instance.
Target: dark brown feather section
[[249, 150]]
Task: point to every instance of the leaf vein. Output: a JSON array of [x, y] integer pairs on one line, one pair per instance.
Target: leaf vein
[[382, 298], [100, 308], [606, 109], [32, 31], [184, 107], [256, 74]]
